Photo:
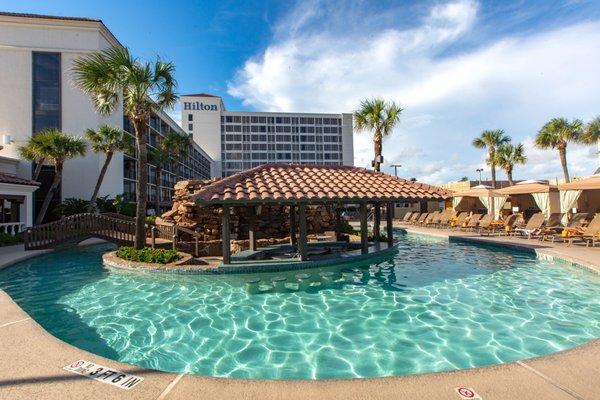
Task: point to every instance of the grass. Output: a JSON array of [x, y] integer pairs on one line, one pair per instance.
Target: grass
[[148, 255]]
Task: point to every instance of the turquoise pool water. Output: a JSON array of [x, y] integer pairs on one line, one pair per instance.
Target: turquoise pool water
[[433, 306]]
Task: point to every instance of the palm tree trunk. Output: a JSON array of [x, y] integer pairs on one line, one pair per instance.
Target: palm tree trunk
[[562, 152], [38, 169], [92, 204], [377, 146], [141, 186], [158, 178], [493, 168], [510, 177], [57, 178]]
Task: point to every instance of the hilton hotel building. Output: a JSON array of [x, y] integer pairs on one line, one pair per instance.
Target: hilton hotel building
[[238, 140]]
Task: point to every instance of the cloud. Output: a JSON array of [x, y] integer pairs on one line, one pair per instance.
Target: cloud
[[450, 91]]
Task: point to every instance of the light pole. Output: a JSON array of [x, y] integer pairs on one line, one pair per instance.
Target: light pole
[[396, 166], [480, 170]]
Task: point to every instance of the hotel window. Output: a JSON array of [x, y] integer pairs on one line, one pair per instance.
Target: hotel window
[[190, 117], [46, 91]]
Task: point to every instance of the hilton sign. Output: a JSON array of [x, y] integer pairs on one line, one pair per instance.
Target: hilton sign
[[196, 105]]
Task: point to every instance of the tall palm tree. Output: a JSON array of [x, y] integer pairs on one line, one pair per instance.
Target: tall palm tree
[[178, 146], [36, 148], [591, 133], [380, 117], [114, 75], [108, 140], [491, 140], [556, 134], [507, 156], [159, 157], [60, 147]]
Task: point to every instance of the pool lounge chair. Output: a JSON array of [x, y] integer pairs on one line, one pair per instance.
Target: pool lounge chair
[[532, 227], [591, 234], [472, 224], [460, 220], [407, 217], [422, 219], [485, 224], [433, 219], [445, 219], [553, 224], [577, 221], [414, 218], [509, 224]]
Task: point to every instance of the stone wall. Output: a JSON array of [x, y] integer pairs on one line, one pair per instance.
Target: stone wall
[[272, 221]]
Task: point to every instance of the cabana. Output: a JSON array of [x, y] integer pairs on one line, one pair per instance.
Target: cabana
[[533, 194], [299, 186], [472, 199], [581, 194]]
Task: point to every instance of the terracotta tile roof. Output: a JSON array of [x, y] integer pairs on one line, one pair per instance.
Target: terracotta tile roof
[[5, 178], [293, 183]]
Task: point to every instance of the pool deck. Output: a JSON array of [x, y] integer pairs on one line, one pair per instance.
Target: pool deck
[[31, 362]]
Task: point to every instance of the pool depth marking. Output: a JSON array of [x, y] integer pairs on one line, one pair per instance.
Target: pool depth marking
[[467, 393], [104, 374]]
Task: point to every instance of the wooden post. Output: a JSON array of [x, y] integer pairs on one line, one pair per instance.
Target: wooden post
[[153, 235], [225, 236], [302, 239], [389, 223], [364, 232], [252, 229], [293, 226], [377, 220], [338, 223]]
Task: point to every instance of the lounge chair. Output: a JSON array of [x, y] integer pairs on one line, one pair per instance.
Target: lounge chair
[[577, 221], [460, 220], [473, 222], [414, 218], [445, 219], [589, 235], [532, 227], [509, 224], [433, 218], [422, 219], [407, 217], [552, 225], [485, 224]]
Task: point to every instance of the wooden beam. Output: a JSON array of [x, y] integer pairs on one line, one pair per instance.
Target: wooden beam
[[364, 232], [338, 222], [225, 236], [302, 238], [389, 223], [252, 228], [293, 225], [377, 220]]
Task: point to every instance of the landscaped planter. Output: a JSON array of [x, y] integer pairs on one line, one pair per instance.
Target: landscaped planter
[[112, 260]]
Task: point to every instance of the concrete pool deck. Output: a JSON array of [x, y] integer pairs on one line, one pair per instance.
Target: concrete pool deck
[[32, 361]]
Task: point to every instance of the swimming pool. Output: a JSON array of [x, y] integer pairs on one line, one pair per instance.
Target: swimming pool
[[433, 306]]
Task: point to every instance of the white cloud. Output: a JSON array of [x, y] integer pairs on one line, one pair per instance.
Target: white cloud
[[514, 83]]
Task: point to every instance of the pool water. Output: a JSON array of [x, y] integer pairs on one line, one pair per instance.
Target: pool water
[[433, 306]]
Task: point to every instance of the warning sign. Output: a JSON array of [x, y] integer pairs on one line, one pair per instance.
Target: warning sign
[[466, 393], [104, 374]]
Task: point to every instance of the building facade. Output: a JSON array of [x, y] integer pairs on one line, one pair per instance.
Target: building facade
[[37, 93], [238, 140]]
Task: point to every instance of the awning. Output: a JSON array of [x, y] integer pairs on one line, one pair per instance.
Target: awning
[[528, 187], [590, 183], [478, 191]]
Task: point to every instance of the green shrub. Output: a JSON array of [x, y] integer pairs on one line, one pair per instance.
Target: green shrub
[[128, 209], [151, 219], [148, 255], [72, 206], [7, 239]]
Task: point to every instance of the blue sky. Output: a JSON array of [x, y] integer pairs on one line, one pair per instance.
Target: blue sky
[[457, 66]]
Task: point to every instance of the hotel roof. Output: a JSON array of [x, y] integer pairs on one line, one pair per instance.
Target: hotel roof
[[294, 183], [5, 178]]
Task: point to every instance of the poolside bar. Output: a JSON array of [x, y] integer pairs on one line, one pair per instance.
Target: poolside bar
[[302, 186]]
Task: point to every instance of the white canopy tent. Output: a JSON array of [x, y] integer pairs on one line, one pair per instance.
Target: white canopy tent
[[545, 195], [570, 192], [491, 199]]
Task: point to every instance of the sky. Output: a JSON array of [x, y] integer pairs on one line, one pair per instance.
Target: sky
[[456, 67]]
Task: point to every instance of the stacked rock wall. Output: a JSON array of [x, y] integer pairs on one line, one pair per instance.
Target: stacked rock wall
[[273, 221]]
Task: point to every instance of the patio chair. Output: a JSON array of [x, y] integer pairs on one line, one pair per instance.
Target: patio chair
[[532, 227], [414, 218], [472, 223], [407, 216], [460, 220], [576, 222], [433, 218], [421, 219], [509, 224], [486, 224], [445, 219], [591, 234], [552, 225]]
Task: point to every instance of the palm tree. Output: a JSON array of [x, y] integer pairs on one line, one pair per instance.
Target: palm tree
[[60, 147], [159, 157], [36, 148], [507, 156], [491, 140], [113, 76], [591, 133], [107, 140], [556, 134], [380, 117], [178, 146]]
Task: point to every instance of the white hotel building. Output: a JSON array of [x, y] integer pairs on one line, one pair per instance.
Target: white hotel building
[[37, 93], [238, 140]]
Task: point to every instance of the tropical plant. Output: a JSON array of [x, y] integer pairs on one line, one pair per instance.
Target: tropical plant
[[464, 179], [591, 133], [36, 149], [118, 203], [60, 147], [556, 134], [108, 140], [72, 206], [491, 140], [380, 117], [507, 156], [159, 157], [148, 255], [113, 77], [178, 146]]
